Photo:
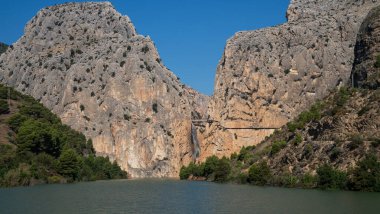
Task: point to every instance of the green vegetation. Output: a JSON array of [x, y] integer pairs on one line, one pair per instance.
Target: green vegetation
[[43, 150], [4, 108], [3, 48], [377, 62], [330, 178], [365, 177], [259, 174], [214, 169], [305, 117], [277, 146]]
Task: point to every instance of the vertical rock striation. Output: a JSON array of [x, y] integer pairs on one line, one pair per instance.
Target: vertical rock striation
[[86, 63]]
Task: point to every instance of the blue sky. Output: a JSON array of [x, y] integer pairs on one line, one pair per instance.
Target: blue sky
[[190, 34]]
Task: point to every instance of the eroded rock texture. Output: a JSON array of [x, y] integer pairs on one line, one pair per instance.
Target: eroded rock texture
[[267, 77], [367, 53], [86, 63]]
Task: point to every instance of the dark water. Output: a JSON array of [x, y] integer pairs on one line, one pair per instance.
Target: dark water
[[165, 196]]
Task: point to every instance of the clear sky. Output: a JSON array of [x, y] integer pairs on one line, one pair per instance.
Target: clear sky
[[190, 34]]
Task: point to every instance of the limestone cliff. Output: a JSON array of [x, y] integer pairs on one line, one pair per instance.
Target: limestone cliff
[[349, 123], [267, 77], [86, 63]]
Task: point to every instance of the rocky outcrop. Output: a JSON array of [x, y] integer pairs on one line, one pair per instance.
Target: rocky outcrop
[[349, 127], [267, 77], [86, 63], [342, 137], [367, 53]]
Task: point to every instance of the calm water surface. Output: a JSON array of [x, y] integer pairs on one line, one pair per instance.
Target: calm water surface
[[167, 196]]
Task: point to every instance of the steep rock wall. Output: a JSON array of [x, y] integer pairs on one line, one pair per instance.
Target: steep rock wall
[[268, 76], [86, 63]]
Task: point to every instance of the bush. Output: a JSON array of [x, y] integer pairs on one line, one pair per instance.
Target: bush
[[366, 176], [37, 137], [375, 142], [69, 164], [298, 139], [335, 153], [342, 96], [356, 141], [259, 174], [222, 170], [210, 165], [377, 63], [305, 117], [246, 153], [329, 178], [277, 146], [184, 173], [4, 108], [192, 169], [308, 181]]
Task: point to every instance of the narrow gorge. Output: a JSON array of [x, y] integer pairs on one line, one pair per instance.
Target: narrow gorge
[[88, 65]]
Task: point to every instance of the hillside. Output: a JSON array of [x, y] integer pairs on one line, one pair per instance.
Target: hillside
[[335, 144], [88, 65], [35, 147], [266, 77]]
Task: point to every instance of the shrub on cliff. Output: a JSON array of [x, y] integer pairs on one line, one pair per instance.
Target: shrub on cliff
[[277, 146], [4, 108], [305, 117], [377, 63], [245, 153]]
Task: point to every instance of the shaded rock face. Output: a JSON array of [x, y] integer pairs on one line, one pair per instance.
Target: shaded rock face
[[267, 77], [86, 63], [366, 71]]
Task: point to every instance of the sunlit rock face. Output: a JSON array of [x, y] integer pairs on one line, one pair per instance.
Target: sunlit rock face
[[267, 77], [86, 63]]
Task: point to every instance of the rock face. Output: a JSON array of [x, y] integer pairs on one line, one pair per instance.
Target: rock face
[[86, 63], [340, 139], [349, 127], [367, 53], [267, 77]]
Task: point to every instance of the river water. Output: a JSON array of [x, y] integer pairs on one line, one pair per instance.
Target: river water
[[171, 196]]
